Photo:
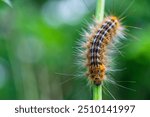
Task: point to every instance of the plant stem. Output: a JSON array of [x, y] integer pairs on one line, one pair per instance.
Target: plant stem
[[100, 10], [97, 90]]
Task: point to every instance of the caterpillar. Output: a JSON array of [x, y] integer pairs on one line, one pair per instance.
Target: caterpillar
[[96, 50]]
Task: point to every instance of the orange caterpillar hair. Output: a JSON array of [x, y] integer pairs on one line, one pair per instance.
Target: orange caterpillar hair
[[100, 37]]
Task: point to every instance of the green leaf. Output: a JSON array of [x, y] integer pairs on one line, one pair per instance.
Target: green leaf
[[8, 2]]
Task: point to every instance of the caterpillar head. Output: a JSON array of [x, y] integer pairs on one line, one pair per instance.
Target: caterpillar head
[[98, 74], [97, 81]]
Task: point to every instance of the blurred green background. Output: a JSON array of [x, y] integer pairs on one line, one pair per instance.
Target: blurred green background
[[37, 49]]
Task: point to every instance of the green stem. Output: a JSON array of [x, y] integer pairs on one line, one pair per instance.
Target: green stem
[[97, 90], [100, 10]]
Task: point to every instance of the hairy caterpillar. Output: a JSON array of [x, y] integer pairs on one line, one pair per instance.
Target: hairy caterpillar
[[98, 40]]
